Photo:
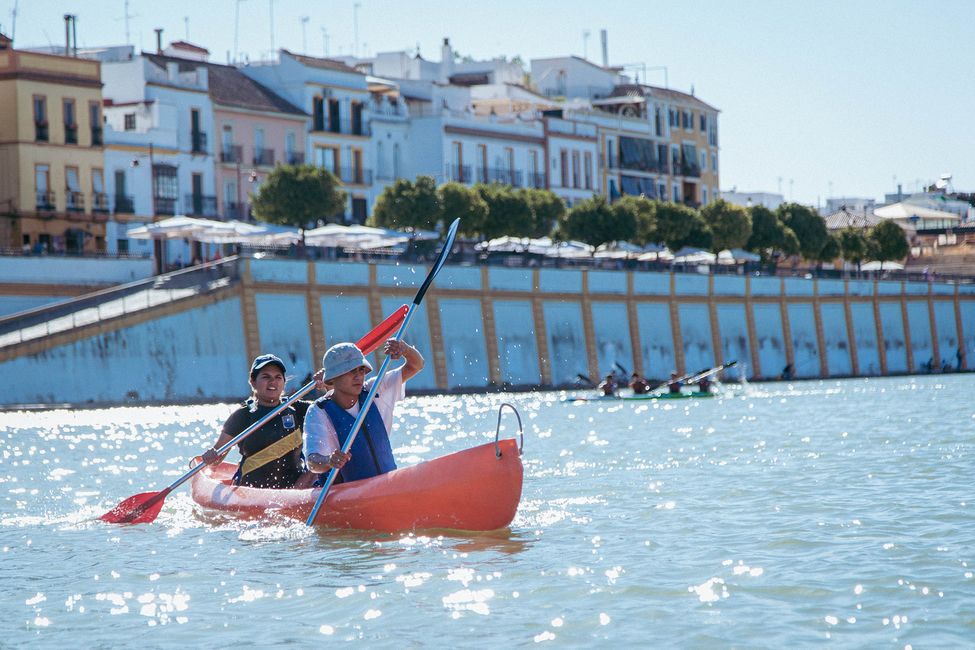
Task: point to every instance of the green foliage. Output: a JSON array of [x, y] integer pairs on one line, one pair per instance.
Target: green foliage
[[595, 222], [458, 201], [644, 214], [547, 210], [890, 242], [769, 234], [679, 225], [298, 196], [406, 204], [508, 211], [854, 245], [730, 224], [829, 251], [809, 227]]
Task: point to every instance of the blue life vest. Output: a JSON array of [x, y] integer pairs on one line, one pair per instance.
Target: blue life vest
[[372, 454]]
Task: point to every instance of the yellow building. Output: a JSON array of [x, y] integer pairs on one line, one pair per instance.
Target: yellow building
[[693, 127], [52, 178]]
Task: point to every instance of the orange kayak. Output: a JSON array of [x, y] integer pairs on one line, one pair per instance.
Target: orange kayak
[[474, 490]]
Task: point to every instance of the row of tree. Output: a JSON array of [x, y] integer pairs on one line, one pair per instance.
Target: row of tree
[[300, 195]]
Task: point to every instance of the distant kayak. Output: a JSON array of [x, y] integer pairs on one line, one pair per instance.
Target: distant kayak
[[643, 397], [476, 489]]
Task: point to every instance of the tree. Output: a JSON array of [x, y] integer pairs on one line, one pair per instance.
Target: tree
[[769, 234], [644, 214], [508, 211], [547, 210], [461, 202], [809, 227], [679, 225], [854, 246], [595, 222], [730, 224], [890, 242], [406, 204], [829, 251], [298, 196]]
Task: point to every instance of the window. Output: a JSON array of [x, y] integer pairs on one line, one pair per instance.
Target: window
[[662, 191], [482, 163], [675, 196], [359, 209], [587, 169], [318, 114], [672, 118], [42, 186], [396, 161], [704, 161], [704, 195], [99, 200], [70, 122], [533, 176], [72, 186], [357, 118], [658, 121], [165, 188], [40, 118], [334, 116], [704, 122], [714, 163], [197, 136], [380, 161], [95, 123], [564, 163], [576, 182], [509, 165], [129, 120], [358, 175], [327, 157], [688, 120], [289, 148]]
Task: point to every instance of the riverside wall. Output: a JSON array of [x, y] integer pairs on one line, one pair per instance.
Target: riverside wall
[[495, 326]]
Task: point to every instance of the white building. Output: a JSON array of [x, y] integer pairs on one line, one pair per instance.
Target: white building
[[770, 200], [853, 204]]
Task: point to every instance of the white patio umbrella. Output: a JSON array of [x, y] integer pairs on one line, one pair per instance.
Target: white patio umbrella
[[178, 227], [881, 266], [736, 255], [690, 255], [618, 250], [655, 253]]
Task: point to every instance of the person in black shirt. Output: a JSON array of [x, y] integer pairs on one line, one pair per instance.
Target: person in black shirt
[[271, 457]]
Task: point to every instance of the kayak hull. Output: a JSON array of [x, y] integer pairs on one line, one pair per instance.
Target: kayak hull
[[471, 490], [645, 396]]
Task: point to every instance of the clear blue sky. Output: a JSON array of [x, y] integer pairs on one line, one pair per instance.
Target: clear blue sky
[[848, 92]]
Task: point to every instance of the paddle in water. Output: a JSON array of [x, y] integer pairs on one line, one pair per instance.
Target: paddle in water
[[144, 508], [364, 407]]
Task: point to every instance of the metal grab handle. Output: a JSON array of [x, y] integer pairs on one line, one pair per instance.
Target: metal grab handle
[[497, 433]]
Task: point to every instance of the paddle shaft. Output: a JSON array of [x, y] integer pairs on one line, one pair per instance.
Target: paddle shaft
[[364, 407]]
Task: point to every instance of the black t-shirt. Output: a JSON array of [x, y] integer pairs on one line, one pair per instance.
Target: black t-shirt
[[281, 472]]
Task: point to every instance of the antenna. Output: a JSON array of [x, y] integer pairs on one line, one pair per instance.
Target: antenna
[[270, 8], [304, 35], [236, 28], [13, 22], [324, 41], [585, 43], [355, 28], [126, 16]]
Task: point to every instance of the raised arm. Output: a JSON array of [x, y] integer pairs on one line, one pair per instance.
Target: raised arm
[[403, 350]]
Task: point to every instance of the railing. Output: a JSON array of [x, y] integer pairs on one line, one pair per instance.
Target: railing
[[198, 141], [116, 301], [99, 202], [345, 126], [690, 169], [296, 158], [535, 180], [232, 154], [164, 205], [74, 201], [234, 210], [45, 201], [200, 205], [97, 139], [264, 157], [459, 173], [40, 131], [70, 134], [505, 176], [355, 175], [124, 204]]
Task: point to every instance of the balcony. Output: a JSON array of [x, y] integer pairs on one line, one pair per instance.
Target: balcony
[[535, 180], [45, 201], [97, 138], [239, 211], [74, 201], [355, 176], [124, 204], [200, 205], [40, 131], [459, 173], [99, 202], [296, 157], [690, 169], [232, 153], [505, 177], [70, 134], [164, 205], [264, 157], [198, 141]]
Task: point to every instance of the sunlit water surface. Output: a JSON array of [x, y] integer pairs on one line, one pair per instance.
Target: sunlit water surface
[[784, 514]]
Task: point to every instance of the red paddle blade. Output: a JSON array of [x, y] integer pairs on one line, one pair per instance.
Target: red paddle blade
[[385, 330], [139, 509]]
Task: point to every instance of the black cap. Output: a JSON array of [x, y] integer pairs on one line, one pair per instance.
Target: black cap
[[264, 360]]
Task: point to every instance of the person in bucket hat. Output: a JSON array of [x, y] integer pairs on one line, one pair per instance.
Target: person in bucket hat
[[271, 457], [329, 423]]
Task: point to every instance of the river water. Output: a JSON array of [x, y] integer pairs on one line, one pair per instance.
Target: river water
[[836, 512]]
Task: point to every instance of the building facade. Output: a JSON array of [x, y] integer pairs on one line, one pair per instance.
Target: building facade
[[52, 177]]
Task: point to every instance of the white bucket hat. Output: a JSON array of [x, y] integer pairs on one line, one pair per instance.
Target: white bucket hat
[[341, 358]]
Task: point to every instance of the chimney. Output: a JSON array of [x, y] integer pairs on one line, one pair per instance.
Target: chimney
[[604, 40], [74, 35], [67, 34], [446, 61], [158, 31]]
